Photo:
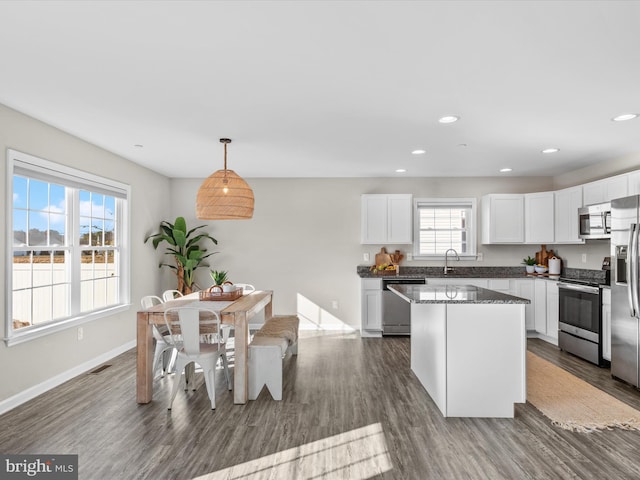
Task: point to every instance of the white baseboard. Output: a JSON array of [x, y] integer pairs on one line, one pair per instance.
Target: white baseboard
[[32, 392]]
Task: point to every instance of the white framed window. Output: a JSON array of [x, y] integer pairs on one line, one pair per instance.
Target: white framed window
[[67, 247], [444, 223]]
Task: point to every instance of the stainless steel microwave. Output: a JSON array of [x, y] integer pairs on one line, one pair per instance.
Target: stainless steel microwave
[[595, 221]]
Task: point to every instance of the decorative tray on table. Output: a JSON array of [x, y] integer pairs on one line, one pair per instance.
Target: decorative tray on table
[[217, 295]]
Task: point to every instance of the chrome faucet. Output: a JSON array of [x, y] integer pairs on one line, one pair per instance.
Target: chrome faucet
[[448, 269]]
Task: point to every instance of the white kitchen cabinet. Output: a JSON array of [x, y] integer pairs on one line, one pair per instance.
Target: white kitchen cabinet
[[605, 190], [539, 217], [566, 203], [371, 306], [633, 183], [525, 289], [553, 310], [606, 323], [540, 309], [386, 219], [502, 218]]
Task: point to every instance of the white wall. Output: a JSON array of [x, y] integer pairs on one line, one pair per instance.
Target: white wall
[[29, 365], [304, 239]]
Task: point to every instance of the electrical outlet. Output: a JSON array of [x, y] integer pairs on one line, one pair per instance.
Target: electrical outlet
[[584, 258], [80, 333], [365, 257], [334, 304], [480, 257], [409, 257]]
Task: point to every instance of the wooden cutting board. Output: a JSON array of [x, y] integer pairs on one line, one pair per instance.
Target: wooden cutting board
[[383, 257]]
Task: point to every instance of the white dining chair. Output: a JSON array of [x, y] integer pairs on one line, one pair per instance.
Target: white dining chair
[[163, 348], [171, 295], [190, 348]]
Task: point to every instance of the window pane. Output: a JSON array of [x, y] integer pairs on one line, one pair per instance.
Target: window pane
[[61, 301], [19, 227], [112, 291], [42, 302], [97, 226], [21, 270], [442, 228], [38, 195], [100, 293], [109, 233], [37, 228], [22, 306], [86, 265], [97, 205], [86, 296], [42, 269], [57, 198], [85, 228], [109, 208], [19, 192], [56, 226]]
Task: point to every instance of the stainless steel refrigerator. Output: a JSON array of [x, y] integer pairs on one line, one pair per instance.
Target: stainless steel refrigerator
[[625, 298]]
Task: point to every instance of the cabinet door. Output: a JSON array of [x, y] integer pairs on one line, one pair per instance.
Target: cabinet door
[[553, 309], [374, 219], [502, 218], [593, 193], [372, 310], [616, 187], [567, 203], [539, 218], [525, 289], [540, 310], [606, 324], [400, 224], [633, 183]]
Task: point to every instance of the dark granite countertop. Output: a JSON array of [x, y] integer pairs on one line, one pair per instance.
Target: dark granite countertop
[[479, 272], [453, 294]]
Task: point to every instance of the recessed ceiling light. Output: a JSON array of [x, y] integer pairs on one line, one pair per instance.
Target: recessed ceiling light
[[137, 145], [624, 117], [418, 152], [505, 170], [401, 170], [550, 150], [462, 145], [448, 119]]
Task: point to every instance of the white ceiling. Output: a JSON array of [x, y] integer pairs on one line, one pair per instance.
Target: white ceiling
[[331, 88]]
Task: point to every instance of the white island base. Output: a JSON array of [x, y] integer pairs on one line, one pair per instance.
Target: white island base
[[471, 358]]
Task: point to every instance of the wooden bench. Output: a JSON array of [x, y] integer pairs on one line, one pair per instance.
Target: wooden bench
[[269, 346]]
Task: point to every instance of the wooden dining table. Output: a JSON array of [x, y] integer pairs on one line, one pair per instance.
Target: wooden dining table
[[236, 313]]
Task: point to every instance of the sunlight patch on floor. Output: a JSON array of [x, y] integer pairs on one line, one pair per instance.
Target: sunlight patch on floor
[[357, 455]]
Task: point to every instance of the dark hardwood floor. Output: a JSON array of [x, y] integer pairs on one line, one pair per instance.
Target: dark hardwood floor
[[351, 409]]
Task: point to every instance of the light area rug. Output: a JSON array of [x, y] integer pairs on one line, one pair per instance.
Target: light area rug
[[572, 403]]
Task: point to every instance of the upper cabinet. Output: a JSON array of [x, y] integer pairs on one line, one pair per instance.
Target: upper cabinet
[[633, 183], [502, 218], [539, 217], [387, 219], [605, 190], [567, 203]]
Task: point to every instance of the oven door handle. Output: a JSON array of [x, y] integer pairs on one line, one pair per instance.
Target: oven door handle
[[579, 288]]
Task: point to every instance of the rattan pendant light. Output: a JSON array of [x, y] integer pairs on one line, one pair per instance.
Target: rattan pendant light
[[224, 195]]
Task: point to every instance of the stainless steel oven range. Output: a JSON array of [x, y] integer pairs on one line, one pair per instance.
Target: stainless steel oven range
[[396, 312], [581, 320]]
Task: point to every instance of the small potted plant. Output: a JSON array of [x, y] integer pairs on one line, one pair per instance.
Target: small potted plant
[[529, 264]]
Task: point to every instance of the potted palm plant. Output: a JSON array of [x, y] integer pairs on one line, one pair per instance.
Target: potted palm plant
[[184, 246]]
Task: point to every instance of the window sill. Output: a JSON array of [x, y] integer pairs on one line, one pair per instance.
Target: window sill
[[465, 257], [32, 333]]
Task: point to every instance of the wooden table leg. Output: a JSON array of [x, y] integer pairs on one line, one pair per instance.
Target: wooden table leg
[[144, 359], [240, 370]]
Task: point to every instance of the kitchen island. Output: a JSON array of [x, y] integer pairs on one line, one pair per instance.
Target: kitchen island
[[468, 348]]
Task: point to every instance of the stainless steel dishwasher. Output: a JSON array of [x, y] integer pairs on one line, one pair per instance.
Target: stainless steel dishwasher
[[396, 312]]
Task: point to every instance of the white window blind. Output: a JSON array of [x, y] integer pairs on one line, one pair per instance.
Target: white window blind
[[443, 224]]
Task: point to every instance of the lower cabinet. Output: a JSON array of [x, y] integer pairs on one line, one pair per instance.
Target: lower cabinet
[[371, 306], [553, 310], [525, 289], [606, 323]]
